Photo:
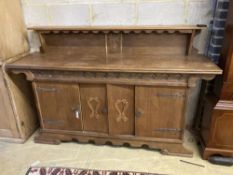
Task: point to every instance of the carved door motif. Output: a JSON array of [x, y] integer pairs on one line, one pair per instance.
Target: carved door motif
[[159, 111], [121, 109], [94, 107], [121, 106], [59, 106]]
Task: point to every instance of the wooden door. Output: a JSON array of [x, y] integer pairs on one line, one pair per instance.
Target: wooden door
[[159, 111], [59, 106], [94, 107], [121, 109]]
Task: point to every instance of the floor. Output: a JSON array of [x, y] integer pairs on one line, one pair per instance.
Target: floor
[[15, 159]]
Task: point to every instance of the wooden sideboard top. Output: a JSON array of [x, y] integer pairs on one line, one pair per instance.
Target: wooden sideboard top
[[134, 63]]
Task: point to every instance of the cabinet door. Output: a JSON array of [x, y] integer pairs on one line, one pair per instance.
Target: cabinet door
[[159, 111], [121, 109], [59, 105], [94, 107]]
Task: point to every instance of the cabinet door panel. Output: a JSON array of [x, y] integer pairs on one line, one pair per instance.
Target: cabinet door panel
[[94, 107], [159, 111], [59, 105], [121, 109]]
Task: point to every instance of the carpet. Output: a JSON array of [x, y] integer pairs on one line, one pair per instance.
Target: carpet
[[75, 171]]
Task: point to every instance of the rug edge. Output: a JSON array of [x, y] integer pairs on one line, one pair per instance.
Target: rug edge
[[28, 171]]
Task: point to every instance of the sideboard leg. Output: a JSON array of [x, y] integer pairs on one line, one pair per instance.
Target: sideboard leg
[[208, 152], [177, 150], [46, 140]]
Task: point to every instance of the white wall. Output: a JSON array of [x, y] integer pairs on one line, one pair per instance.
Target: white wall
[[116, 12], [119, 12]]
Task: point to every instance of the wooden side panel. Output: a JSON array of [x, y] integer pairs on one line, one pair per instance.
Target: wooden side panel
[[13, 36], [23, 103], [222, 132], [94, 107], [8, 126], [13, 42], [159, 111], [227, 91], [206, 120], [121, 109], [59, 106], [164, 44]]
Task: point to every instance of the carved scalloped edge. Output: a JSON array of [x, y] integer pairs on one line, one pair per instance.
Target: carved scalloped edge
[[145, 31], [191, 78], [88, 74], [164, 148]]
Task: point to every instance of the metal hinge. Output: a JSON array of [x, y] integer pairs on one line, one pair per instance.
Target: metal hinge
[[46, 89], [53, 122], [168, 130], [172, 95]]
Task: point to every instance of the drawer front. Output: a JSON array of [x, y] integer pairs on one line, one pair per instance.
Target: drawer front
[[94, 107], [159, 111], [121, 109], [59, 106]]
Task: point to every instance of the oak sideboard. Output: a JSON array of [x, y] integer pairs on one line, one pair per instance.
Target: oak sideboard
[[124, 85]]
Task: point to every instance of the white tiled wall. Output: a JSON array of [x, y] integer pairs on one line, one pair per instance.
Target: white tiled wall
[[119, 12], [200, 12], [36, 15], [113, 14], [68, 14], [116, 12], [161, 12]]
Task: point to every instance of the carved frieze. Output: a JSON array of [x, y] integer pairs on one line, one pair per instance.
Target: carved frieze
[[186, 80]]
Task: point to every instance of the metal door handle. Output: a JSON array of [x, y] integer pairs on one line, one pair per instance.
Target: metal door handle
[[105, 110], [138, 113], [76, 112], [46, 89]]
